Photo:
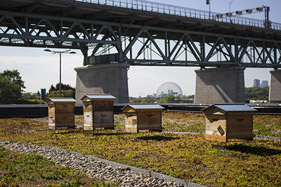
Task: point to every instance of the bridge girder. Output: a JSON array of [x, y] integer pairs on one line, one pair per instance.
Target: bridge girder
[[137, 44]]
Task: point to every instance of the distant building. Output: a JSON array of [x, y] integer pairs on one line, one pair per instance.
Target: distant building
[[257, 83], [264, 83]]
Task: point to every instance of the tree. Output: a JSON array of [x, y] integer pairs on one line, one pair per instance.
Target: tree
[[11, 86], [52, 88], [64, 93], [63, 87], [29, 95], [257, 93], [167, 99], [67, 90], [14, 76], [135, 100]]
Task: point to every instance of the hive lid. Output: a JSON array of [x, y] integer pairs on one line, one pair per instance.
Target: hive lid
[[93, 97], [145, 107], [233, 108], [55, 100]]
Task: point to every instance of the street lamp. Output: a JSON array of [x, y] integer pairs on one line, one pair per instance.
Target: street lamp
[[60, 52], [208, 2], [230, 3]]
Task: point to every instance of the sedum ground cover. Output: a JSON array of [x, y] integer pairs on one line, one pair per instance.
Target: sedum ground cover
[[30, 170], [267, 125], [189, 157]]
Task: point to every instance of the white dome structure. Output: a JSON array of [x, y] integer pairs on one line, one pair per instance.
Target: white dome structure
[[169, 88]]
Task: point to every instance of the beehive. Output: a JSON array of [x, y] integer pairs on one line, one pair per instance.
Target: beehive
[[143, 118], [98, 112], [61, 112], [224, 122]]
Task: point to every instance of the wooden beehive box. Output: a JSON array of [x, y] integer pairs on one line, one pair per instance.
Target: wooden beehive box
[[143, 118], [61, 112], [224, 122], [98, 112]]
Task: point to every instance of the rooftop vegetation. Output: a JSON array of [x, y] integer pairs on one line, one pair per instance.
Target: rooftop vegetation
[[31, 170], [185, 156]]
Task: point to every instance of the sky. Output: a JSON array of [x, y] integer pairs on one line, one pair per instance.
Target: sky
[[40, 69]]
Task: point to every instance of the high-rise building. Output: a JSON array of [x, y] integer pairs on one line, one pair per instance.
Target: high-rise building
[[264, 83], [256, 83]]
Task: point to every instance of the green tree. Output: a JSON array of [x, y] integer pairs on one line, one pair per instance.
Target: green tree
[[257, 93], [135, 100], [29, 95], [64, 93], [14, 76], [66, 90], [167, 99], [11, 86], [148, 100]]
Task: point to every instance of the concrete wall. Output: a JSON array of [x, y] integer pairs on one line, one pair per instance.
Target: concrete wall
[[220, 85], [103, 79], [275, 87]]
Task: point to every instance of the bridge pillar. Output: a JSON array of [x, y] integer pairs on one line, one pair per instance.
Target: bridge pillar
[[103, 79], [275, 87], [220, 85]]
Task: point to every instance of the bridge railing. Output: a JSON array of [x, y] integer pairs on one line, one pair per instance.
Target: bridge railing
[[184, 12]]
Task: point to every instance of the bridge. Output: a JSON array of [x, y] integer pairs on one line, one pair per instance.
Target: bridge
[[114, 34]]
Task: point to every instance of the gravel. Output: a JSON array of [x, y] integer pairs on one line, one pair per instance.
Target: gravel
[[94, 167]]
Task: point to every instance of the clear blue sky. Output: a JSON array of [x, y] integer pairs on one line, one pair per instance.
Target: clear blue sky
[[40, 69]]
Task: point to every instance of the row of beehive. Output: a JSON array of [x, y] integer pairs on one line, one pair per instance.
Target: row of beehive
[[98, 114], [223, 122]]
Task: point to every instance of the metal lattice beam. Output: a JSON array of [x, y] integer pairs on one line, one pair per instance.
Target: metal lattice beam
[[138, 45]]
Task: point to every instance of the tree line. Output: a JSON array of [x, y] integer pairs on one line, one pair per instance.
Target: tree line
[[12, 90], [257, 93]]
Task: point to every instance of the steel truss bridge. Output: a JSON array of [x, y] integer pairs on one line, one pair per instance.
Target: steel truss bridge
[[140, 33]]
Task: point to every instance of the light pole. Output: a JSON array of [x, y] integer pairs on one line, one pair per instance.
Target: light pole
[[60, 52], [208, 2], [230, 3]]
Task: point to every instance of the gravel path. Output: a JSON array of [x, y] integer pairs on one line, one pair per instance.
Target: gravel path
[[94, 167]]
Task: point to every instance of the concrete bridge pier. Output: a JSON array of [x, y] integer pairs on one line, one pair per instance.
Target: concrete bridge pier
[[220, 85], [275, 87], [103, 79]]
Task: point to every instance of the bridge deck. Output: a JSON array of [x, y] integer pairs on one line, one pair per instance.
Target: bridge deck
[[139, 34], [140, 15]]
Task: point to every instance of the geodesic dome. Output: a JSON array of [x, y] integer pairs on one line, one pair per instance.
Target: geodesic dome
[[169, 88]]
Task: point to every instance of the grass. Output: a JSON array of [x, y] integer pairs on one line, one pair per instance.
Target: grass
[[267, 125], [189, 157], [30, 170], [183, 122]]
